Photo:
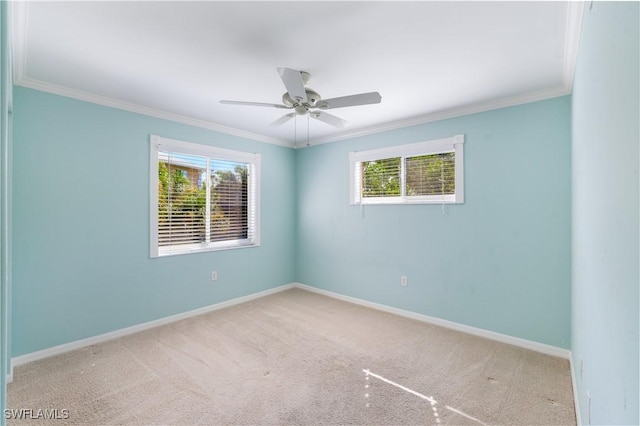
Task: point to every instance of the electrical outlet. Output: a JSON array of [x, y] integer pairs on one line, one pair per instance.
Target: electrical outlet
[[403, 281], [214, 276]]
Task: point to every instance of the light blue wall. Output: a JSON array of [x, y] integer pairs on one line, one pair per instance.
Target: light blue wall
[[500, 261], [606, 136], [81, 224]]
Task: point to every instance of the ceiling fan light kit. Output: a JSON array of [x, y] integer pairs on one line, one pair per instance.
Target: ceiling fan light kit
[[305, 101]]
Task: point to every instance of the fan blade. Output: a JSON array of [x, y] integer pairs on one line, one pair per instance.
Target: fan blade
[[352, 100], [280, 121], [328, 118], [292, 80], [254, 104]]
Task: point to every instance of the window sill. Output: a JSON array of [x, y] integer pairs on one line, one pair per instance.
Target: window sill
[[406, 200], [203, 247]]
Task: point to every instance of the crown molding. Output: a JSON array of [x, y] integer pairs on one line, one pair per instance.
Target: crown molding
[[140, 109], [573, 29], [575, 12], [414, 121], [450, 113], [18, 14], [19, 18]]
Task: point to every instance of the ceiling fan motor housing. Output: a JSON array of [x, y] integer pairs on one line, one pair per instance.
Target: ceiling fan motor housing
[[312, 98]]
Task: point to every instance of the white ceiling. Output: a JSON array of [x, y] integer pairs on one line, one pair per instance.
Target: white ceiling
[[177, 60]]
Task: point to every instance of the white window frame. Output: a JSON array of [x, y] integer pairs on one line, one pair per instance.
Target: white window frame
[[437, 146], [158, 144]]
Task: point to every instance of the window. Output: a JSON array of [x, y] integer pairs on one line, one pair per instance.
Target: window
[[202, 198], [419, 173]]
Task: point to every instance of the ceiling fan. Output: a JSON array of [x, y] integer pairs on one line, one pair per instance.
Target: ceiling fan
[[303, 100]]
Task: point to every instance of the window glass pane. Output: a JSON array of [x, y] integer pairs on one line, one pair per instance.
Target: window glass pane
[[432, 174], [229, 200], [181, 199], [204, 198], [381, 178]]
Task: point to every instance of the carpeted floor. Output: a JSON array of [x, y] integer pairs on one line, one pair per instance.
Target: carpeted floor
[[301, 358]]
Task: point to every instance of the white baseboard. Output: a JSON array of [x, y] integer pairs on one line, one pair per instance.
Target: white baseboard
[[574, 385], [9, 376], [503, 338], [67, 347]]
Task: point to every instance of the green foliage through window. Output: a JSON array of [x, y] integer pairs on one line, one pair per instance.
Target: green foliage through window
[[381, 178], [432, 174], [182, 200], [424, 175]]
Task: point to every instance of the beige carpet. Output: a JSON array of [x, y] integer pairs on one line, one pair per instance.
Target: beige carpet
[[297, 357]]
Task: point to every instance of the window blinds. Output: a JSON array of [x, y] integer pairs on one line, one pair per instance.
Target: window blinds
[[203, 200], [423, 175], [423, 172], [430, 174], [229, 195], [381, 178], [181, 199]]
